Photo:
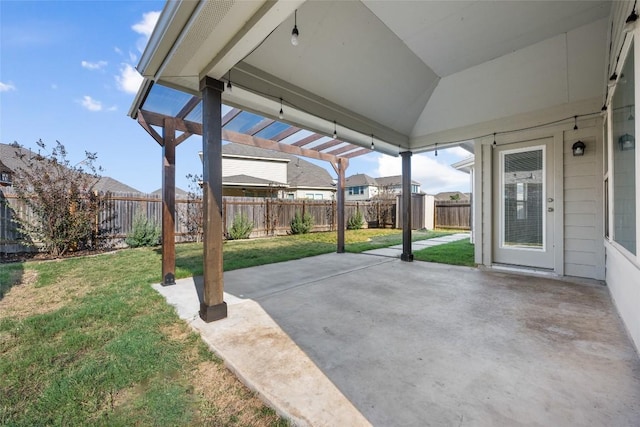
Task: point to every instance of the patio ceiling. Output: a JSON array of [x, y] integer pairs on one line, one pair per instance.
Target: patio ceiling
[[407, 73], [243, 127]]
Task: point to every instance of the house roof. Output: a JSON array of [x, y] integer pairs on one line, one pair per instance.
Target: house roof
[[383, 181], [13, 162], [396, 180], [446, 195], [300, 173], [359, 180], [4, 168], [179, 192], [251, 181]]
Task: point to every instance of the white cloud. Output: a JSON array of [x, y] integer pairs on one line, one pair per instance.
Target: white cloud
[[117, 50], [6, 87], [145, 27], [433, 176], [113, 108], [129, 80], [90, 103], [133, 57], [54, 86], [459, 152], [93, 65]]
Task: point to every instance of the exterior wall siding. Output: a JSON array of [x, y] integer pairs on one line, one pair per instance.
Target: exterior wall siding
[[260, 168], [583, 218]]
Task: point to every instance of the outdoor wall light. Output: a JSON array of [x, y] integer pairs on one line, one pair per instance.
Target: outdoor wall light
[[281, 113], [372, 146], [229, 87], [627, 142], [578, 148], [613, 79], [294, 32], [335, 130]]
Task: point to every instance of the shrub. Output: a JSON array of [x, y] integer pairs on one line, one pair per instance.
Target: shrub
[[241, 227], [60, 198], [145, 233], [301, 224], [356, 221]]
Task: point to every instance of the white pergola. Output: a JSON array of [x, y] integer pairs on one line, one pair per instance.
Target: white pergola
[[399, 77]]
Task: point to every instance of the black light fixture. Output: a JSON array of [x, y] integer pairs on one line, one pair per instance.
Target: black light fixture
[[627, 142], [436, 153], [281, 114], [335, 130], [630, 23], [613, 79], [372, 146], [229, 87], [294, 32], [578, 148], [575, 122], [494, 139]]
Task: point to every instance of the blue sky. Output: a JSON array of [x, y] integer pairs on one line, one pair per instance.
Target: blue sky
[[67, 73]]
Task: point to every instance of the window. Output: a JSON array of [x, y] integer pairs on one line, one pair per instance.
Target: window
[[623, 153], [414, 188], [4, 177], [356, 190]]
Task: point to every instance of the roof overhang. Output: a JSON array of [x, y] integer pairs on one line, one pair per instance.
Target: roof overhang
[[406, 74]]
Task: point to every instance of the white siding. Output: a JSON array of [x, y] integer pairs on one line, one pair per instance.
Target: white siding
[[583, 249], [623, 280], [275, 171]]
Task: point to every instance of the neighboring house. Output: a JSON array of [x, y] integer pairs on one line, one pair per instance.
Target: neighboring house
[[5, 175], [9, 162], [180, 193], [255, 172], [363, 187]]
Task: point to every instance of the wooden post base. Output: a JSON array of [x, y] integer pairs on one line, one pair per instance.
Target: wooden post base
[[406, 257], [211, 313], [169, 279]]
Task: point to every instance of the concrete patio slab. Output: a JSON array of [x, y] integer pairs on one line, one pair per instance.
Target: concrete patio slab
[[351, 339]]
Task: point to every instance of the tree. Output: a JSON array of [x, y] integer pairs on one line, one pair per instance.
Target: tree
[[63, 207]]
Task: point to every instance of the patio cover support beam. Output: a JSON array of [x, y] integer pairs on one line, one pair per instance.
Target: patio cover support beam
[[213, 306], [407, 255], [340, 167], [169, 203], [241, 138]]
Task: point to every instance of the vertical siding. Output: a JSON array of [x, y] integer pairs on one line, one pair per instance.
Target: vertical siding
[[583, 247]]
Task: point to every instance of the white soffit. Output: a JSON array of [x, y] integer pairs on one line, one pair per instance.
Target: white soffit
[[451, 36], [349, 58]]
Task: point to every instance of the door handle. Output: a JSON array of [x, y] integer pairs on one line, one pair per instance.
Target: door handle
[[549, 209], [550, 199]]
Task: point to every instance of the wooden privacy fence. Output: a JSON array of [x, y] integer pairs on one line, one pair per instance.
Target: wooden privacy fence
[[270, 217], [453, 214]]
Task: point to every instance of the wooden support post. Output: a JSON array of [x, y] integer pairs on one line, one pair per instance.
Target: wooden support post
[[213, 306], [168, 202], [407, 254], [340, 166]]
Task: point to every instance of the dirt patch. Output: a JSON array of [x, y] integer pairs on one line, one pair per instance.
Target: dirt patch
[[25, 299]]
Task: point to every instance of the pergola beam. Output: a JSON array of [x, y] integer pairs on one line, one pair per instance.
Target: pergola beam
[[268, 144], [146, 126]]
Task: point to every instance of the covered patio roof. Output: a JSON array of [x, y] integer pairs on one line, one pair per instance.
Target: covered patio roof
[[412, 74]]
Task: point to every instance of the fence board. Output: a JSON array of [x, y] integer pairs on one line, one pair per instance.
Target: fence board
[[453, 214], [270, 217]]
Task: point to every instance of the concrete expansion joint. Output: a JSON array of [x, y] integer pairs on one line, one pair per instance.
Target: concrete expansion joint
[[329, 276]]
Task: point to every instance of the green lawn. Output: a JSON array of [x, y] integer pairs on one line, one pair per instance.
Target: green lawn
[[87, 341], [460, 252]]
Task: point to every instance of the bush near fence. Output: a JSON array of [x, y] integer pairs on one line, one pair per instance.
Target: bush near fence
[[270, 217]]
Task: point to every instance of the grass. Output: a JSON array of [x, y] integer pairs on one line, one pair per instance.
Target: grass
[[460, 252], [87, 341]]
